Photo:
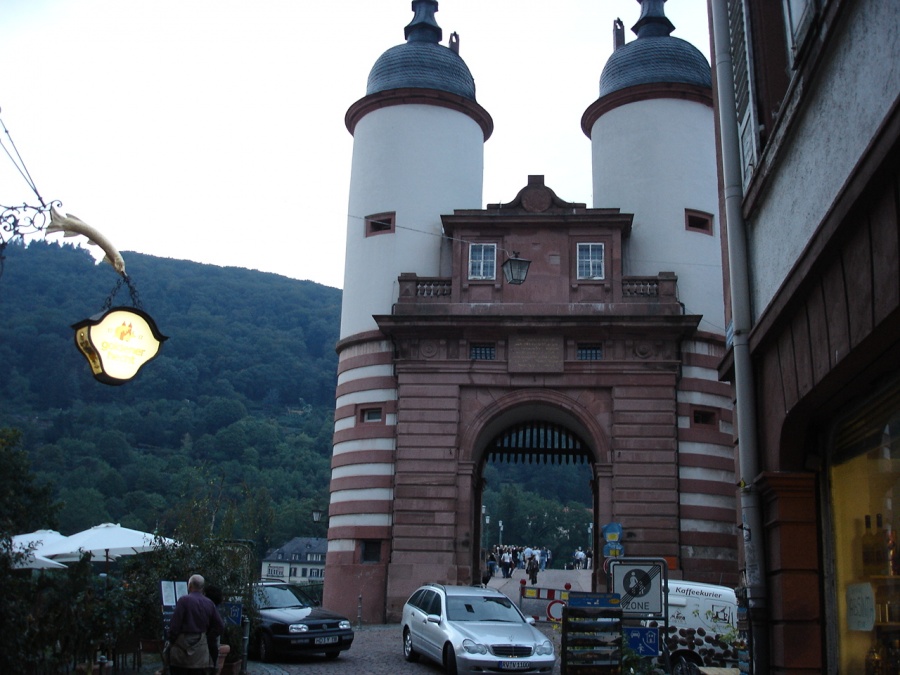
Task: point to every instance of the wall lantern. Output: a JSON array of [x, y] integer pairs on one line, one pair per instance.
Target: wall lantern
[[515, 269], [317, 515], [117, 343]]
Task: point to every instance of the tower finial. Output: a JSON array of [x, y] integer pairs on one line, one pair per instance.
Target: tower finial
[[653, 21], [423, 27], [618, 34]]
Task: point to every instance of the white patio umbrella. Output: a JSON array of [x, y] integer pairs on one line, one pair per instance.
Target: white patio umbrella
[[33, 561], [107, 541], [31, 543], [37, 539]]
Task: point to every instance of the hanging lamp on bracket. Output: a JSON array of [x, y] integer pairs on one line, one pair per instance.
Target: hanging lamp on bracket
[[515, 269]]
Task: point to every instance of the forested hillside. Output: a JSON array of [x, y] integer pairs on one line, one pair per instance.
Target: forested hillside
[[238, 407], [236, 412]]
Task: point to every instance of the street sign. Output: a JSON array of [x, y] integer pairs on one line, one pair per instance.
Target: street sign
[[613, 549], [555, 610], [640, 582], [643, 641]]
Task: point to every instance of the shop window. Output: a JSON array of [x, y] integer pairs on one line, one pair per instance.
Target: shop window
[[371, 551], [864, 485], [380, 223], [482, 261]]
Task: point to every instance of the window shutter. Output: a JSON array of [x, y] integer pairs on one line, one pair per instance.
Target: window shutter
[[741, 57]]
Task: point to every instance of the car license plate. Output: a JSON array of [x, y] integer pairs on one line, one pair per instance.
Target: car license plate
[[327, 640], [514, 665]]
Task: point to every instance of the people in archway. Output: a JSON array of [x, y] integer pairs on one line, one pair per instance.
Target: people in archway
[[531, 568], [580, 558], [506, 562]]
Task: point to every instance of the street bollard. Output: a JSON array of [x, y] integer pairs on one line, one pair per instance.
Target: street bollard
[[245, 624], [359, 612]]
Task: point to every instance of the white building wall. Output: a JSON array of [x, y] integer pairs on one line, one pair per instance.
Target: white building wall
[[655, 158], [855, 91], [419, 161]]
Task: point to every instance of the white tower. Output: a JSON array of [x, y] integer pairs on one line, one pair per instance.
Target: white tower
[[653, 154], [418, 152], [653, 147]]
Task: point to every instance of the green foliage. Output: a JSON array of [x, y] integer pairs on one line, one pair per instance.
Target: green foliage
[[242, 394], [25, 504], [546, 505], [241, 398]]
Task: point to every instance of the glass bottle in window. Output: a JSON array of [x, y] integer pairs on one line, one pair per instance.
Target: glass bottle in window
[[868, 548]]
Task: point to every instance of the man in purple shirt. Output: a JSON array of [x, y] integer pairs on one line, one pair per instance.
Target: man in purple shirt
[[194, 620]]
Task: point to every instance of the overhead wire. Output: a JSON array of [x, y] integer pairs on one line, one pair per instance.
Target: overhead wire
[[19, 163]]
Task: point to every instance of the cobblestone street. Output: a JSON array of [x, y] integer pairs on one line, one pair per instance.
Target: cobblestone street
[[377, 649]]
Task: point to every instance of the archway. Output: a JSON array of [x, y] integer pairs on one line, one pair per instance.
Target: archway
[[549, 454]]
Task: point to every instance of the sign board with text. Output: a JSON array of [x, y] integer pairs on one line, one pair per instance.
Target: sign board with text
[[641, 584]]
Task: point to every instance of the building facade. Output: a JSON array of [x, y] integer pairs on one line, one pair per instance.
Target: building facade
[[298, 561], [809, 145], [607, 353]]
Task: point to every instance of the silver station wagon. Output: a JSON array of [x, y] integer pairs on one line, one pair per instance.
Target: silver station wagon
[[468, 629]]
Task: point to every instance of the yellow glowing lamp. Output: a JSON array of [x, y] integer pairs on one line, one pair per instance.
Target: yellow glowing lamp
[[118, 343]]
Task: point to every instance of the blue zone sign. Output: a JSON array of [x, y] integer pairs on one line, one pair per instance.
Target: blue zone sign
[[643, 641]]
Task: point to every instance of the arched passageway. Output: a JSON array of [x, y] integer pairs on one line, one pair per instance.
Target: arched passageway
[[537, 485]]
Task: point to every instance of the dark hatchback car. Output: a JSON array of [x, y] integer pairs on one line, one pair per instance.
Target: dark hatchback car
[[290, 624]]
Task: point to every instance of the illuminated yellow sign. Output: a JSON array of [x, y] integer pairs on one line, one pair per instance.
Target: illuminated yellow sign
[[118, 343]]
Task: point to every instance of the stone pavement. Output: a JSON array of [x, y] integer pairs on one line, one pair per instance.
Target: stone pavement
[[377, 649]]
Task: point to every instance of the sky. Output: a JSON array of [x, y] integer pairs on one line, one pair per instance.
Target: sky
[[213, 130]]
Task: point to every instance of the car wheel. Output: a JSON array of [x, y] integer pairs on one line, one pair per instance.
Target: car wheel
[[266, 650], [332, 655], [450, 660], [409, 653], [684, 666]]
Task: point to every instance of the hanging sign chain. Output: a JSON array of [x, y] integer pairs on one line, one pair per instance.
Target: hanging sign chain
[[132, 291]]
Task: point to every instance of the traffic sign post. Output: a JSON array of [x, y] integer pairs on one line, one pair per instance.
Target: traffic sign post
[[641, 583], [642, 640]]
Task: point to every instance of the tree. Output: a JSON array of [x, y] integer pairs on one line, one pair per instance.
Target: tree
[[25, 505]]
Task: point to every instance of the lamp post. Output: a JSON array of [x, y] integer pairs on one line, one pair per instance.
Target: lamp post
[[500, 524], [590, 535]]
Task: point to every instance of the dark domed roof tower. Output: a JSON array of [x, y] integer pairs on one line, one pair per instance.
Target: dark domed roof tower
[[418, 152], [655, 57], [422, 63], [653, 154], [653, 149]]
